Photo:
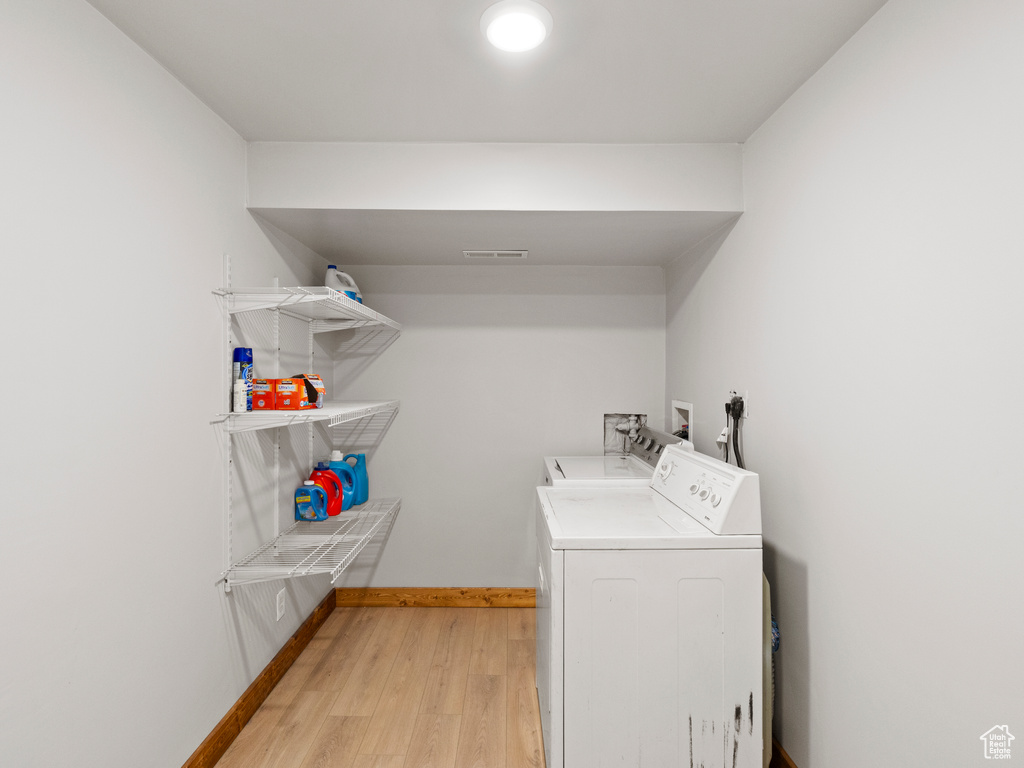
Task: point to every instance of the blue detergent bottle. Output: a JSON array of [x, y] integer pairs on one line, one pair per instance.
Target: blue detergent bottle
[[310, 502], [362, 480], [348, 480]]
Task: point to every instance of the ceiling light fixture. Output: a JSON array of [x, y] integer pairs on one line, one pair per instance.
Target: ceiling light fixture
[[516, 25]]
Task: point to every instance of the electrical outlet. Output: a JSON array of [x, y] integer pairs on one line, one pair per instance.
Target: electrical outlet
[[280, 604], [746, 401]]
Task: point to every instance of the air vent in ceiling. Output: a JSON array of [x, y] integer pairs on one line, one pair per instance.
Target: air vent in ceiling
[[496, 255]]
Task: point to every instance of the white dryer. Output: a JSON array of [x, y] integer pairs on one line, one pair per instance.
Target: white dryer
[[649, 619], [634, 468]]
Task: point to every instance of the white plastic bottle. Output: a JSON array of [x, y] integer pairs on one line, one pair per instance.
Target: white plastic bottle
[[241, 396], [343, 283]]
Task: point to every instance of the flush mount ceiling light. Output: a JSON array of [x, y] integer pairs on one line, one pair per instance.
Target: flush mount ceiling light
[[516, 25]]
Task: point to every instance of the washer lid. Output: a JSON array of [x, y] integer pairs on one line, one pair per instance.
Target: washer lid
[[626, 518], [622, 470]]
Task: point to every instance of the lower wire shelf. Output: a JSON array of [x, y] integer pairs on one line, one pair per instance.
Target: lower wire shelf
[[308, 548]]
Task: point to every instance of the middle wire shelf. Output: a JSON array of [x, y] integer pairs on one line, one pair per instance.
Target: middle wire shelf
[[308, 548], [333, 412]]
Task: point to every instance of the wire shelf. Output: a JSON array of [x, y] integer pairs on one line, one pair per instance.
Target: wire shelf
[[308, 548], [329, 310], [334, 413]]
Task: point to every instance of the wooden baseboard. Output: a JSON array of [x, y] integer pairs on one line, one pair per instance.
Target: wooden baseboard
[[227, 730], [436, 597], [779, 757]]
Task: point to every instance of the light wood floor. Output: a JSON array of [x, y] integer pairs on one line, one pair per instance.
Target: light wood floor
[[404, 688]]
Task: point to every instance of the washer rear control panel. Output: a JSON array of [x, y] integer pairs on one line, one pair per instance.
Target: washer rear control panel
[[649, 444], [723, 498]]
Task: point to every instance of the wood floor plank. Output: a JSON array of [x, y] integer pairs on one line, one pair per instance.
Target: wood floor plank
[[522, 664], [337, 743], [525, 743], [351, 635], [256, 738], [254, 741], [335, 623], [522, 623], [394, 718], [299, 671], [482, 741], [490, 642], [435, 741], [298, 727], [379, 761], [361, 691], [446, 682]]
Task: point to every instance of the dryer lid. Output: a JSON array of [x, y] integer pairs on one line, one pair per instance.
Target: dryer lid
[[626, 518]]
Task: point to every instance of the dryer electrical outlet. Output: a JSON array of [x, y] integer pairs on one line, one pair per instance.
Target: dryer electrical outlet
[[280, 604], [744, 396]]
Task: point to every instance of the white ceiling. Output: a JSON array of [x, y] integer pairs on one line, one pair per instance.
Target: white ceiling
[[617, 238], [636, 71], [612, 71]]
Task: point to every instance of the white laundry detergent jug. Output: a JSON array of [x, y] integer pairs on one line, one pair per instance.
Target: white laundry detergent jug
[[342, 282]]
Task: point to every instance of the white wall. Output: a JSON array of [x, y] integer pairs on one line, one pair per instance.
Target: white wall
[[497, 366], [869, 299], [120, 194]]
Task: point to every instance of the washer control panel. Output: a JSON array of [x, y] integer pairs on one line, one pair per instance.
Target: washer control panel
[[723, 498], [649, 444]]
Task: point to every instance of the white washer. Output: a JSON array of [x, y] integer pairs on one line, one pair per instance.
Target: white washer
[[649, 619], [635, 468]]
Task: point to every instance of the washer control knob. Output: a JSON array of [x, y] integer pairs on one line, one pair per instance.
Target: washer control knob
[[695, 487], [704, 492], [715, 499], [666, 469]]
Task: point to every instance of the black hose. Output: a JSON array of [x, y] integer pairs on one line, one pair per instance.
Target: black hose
[[735, 407], [728, 410], [736, 445]]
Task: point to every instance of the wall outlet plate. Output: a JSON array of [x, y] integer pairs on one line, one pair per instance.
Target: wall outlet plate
[[280, 604], [746, 401]]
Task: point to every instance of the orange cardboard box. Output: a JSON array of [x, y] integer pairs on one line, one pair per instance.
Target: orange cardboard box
[[298, 393], [315, 391], [290, 394], [263, 394]]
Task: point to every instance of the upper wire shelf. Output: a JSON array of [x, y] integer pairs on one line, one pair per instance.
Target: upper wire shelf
[[327, 309]]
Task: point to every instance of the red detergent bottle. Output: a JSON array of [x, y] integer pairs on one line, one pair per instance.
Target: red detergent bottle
[[332, 486], [349, 482]]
